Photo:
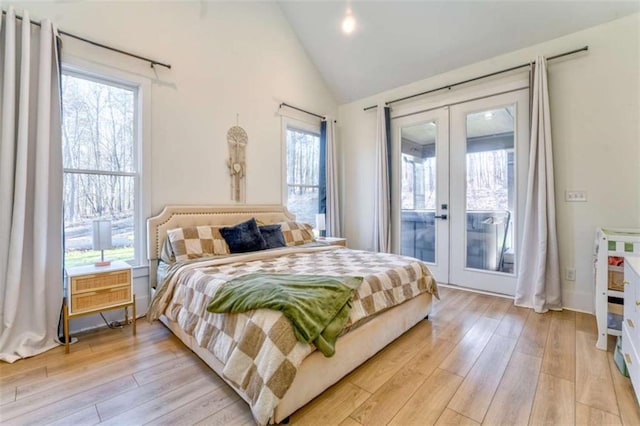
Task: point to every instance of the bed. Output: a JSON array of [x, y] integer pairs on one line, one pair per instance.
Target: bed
[[364, 338]]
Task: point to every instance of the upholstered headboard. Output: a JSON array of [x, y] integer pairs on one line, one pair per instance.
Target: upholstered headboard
[[182, 216]]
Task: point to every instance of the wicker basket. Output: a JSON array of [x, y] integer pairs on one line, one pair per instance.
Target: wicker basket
[[616, 278]]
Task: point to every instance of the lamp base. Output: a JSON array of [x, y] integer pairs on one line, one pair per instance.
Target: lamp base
[[103, 263]]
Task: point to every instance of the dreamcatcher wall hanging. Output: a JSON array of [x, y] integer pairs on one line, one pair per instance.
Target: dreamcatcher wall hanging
[[237, 141]]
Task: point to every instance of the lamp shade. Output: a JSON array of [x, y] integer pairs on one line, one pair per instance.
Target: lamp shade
[[320, 222], [101, 234]]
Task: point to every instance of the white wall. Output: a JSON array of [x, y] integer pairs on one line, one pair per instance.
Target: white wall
[[227, 58], [595, 118]]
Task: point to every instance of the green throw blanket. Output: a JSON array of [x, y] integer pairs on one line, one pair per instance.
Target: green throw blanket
[[317, 306]]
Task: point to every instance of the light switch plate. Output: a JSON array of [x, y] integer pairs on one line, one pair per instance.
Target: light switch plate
[[575, 196]]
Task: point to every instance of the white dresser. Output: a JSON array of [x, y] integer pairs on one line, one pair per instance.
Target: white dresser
[[631, 321]]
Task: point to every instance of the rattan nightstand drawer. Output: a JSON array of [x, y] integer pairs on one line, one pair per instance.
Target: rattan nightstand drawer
[[89, 301], [94, 282]]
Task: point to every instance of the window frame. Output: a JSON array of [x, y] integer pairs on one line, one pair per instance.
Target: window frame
[[302, 126], [141, 87]]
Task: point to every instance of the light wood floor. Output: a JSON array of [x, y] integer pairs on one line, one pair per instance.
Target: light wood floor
[[478, 360]]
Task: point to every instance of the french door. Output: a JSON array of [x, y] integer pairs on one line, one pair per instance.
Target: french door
[[459, 180]]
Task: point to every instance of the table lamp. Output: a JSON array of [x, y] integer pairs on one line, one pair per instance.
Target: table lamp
[[102, 239]]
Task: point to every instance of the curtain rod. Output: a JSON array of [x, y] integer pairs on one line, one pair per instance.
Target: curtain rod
[[449, 86], [283, 104], [153, 62]]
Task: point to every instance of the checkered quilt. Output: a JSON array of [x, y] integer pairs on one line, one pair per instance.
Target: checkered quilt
[[258, 348]]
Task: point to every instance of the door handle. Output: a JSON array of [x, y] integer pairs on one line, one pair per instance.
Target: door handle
[[442, 216]]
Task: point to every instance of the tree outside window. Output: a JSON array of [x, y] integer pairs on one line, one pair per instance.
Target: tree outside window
[[101, 174], [303, 164]]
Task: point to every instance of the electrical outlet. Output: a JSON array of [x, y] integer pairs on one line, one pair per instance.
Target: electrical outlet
[[575, 196], [570, 274]]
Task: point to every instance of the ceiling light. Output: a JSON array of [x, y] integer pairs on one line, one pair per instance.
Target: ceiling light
[[348, 23], [488, 115]]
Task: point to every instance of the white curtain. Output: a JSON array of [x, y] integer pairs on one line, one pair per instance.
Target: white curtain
[[382, 201], [538, 285], [30, 188], [333, 202]]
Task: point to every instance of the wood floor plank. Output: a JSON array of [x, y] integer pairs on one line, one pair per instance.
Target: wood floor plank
[[236, 414], [450, 418], [430, 357], [56, 392], [332, 407], [513, 321], [85, 417], [172, 379], [349, 422], [449, 309], [590, 416], [560, 351], [95, 372], [429, 401], [129, 346], [159, 371], [594, 384], [465, 354], [458, 326], [554, 403], [513, 400], [47, 413], [586, 323], [565, 315], [382, 366], [7, 394], [498, 308], [151, 410], [198, 409], [380, 408], [627, 402], [25, 377], [473, 397], [534, 335]]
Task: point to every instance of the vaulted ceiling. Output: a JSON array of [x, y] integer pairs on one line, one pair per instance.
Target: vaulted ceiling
[[399, 42]]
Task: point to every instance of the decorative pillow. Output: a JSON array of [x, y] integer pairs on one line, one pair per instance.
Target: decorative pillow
[[166, 253], [296, 233], [272, 235], [197, 241], [244, 237]]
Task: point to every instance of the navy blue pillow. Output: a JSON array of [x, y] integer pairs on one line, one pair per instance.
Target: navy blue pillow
[[272, 234], [243, 237]]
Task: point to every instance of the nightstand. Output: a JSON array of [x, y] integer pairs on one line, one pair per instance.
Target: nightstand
[[94, 289], [334, 241]]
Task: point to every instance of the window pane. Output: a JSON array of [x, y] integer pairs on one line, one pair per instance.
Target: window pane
[[303, 203], [97, 125], [88, 197], [303, 158]]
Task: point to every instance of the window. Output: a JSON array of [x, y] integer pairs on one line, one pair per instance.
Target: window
[[302, 174], [102, 173]]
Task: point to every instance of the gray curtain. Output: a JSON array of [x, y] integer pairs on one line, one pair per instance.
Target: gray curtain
[[538, 284], [382, 200], [30, 188], [332, 206]]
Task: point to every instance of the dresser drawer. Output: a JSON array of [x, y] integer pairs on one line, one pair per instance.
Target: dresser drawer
[[93, 282], [630, 353], [92, 300]]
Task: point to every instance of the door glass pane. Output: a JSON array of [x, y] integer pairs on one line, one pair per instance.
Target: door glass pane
[[418, 197], [490, 190]]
